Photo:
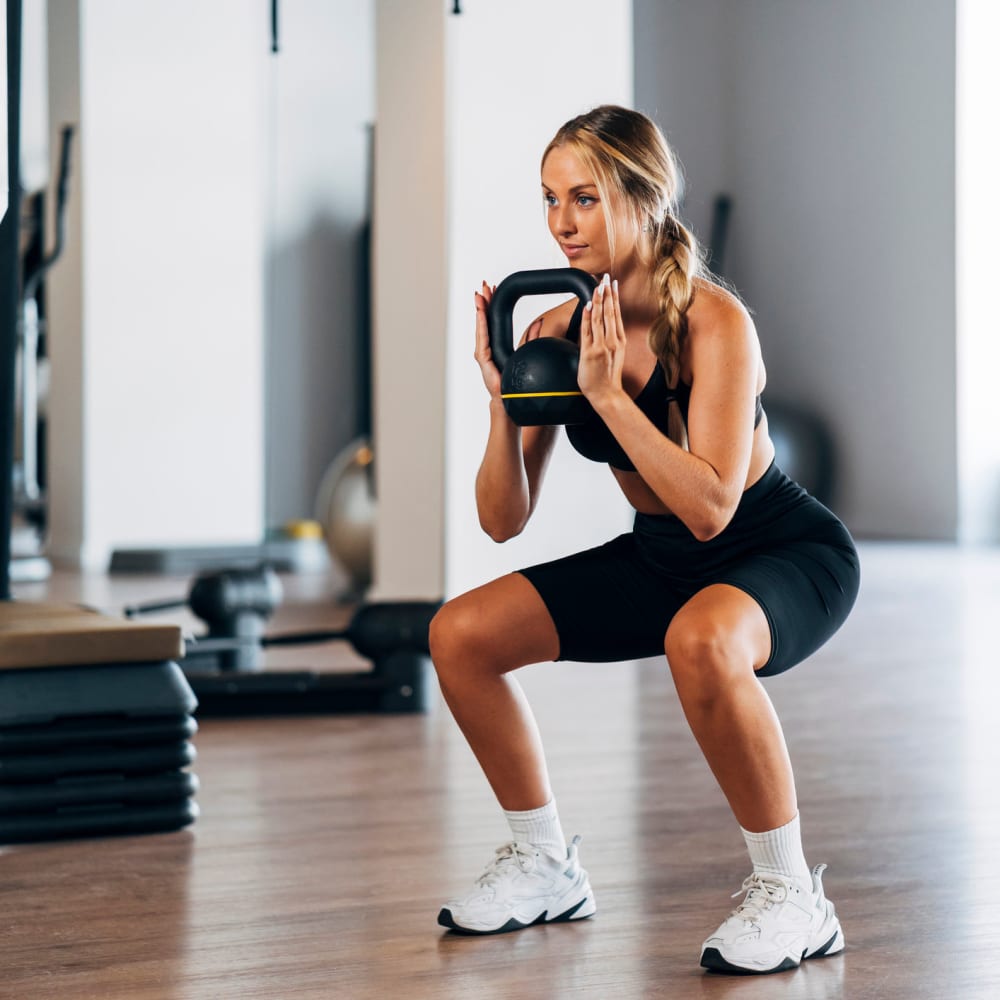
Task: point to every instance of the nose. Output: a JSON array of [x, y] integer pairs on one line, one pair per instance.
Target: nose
[[565, 223]]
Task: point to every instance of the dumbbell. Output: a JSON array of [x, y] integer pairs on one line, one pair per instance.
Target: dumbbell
[[235, 604], [375, 630]]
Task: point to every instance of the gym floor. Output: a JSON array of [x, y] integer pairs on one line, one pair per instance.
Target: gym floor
[[327, 844]]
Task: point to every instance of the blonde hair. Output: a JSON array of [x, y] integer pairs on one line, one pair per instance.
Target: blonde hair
[[627, 154]]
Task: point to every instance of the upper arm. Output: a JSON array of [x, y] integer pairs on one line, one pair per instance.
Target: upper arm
[[724, 357]]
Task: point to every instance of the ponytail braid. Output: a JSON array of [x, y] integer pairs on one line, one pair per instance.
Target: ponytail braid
[[677, 263]]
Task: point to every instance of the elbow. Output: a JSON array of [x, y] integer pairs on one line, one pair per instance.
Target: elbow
[[501, 532], [706, 531], [710, 524]]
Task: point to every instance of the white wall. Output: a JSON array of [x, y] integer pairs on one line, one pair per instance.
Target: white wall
[[838, 151], [34, 96], [165, 398], [977, 259]]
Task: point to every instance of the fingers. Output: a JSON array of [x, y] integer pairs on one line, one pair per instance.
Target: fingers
[[613, 325], [482, 352], [483, 295], [481, 304], [597, 319]]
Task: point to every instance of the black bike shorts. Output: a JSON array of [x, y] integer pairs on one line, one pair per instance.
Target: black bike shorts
[[782, 547]]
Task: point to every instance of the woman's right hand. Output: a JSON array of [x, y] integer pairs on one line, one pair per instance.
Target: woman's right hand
[[484, 355]]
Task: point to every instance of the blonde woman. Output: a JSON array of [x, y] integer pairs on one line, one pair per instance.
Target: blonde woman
[[731, 570]]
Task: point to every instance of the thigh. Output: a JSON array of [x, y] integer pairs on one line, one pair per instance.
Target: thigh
[[606, 603], [503, 623], [806, 591]]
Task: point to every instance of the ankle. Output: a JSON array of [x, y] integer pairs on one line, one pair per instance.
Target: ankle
[[779, 852], [540, 828]]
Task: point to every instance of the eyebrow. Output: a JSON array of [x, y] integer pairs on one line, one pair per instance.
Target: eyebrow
[[573, 190]]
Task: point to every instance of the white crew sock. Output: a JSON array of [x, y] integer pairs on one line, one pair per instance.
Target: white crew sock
[[779, 851], [540, 828]]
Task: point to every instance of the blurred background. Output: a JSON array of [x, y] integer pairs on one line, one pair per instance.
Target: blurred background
[[259, 326]]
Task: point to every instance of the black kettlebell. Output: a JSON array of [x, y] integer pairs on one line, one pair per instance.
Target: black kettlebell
[[538, 381]]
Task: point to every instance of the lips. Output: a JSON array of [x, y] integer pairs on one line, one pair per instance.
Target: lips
[[573, 249]]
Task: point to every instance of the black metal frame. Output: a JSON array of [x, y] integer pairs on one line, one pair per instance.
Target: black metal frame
[[10, 290]]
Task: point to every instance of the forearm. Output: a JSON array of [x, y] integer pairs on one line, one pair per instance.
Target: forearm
[[688, 485], [502, 494]]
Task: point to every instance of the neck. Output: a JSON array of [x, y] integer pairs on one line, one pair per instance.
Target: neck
[[638, 301]]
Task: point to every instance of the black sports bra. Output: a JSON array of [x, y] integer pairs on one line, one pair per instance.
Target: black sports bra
[[595, 441]]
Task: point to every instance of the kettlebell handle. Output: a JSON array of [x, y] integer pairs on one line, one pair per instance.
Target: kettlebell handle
[[544, 281]]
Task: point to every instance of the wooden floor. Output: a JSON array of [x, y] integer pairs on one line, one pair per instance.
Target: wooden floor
[[326, 845]]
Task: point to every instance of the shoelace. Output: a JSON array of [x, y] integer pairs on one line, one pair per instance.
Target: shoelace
[[761, 894], [512, 853]]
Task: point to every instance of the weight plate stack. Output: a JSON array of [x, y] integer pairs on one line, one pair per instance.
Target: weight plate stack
[[94, 750]]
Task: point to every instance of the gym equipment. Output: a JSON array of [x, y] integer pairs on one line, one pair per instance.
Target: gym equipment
[[722, 208], [803, 448], [538, 380], [95, 726], [10, 292], [234, 603], [345, 507], [288, 554], [223, 666], [30, 500]]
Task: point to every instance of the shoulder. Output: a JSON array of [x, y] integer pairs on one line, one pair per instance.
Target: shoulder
[[717, 317], [555, 321], [721, 334], [715, 305]]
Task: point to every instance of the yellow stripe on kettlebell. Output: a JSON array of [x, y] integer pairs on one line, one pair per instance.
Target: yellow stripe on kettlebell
[[536, 395]]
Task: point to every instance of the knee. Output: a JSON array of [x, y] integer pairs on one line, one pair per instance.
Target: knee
[[705, 657], [455, 632]]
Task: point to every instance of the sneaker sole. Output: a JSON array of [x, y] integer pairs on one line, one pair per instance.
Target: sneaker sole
[[445, 919], [712, 959]]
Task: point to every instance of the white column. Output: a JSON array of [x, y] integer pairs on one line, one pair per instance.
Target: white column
[[410, 269], [466, 104]]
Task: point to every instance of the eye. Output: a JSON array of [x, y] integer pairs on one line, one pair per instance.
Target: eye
[[549, 199], [585, 200]]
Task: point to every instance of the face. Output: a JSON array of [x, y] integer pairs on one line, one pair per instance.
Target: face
[[576, 216]]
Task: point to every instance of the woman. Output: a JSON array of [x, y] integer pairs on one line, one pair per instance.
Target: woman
[[732, 570]]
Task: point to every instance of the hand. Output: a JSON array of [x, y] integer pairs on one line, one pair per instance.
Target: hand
[[602, 343], [484, 355]]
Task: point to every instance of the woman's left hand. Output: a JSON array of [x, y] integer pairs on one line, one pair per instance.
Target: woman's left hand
[[602, 344]]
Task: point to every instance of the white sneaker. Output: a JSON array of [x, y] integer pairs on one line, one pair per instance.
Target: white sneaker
[[522, 886], [778, 924]]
